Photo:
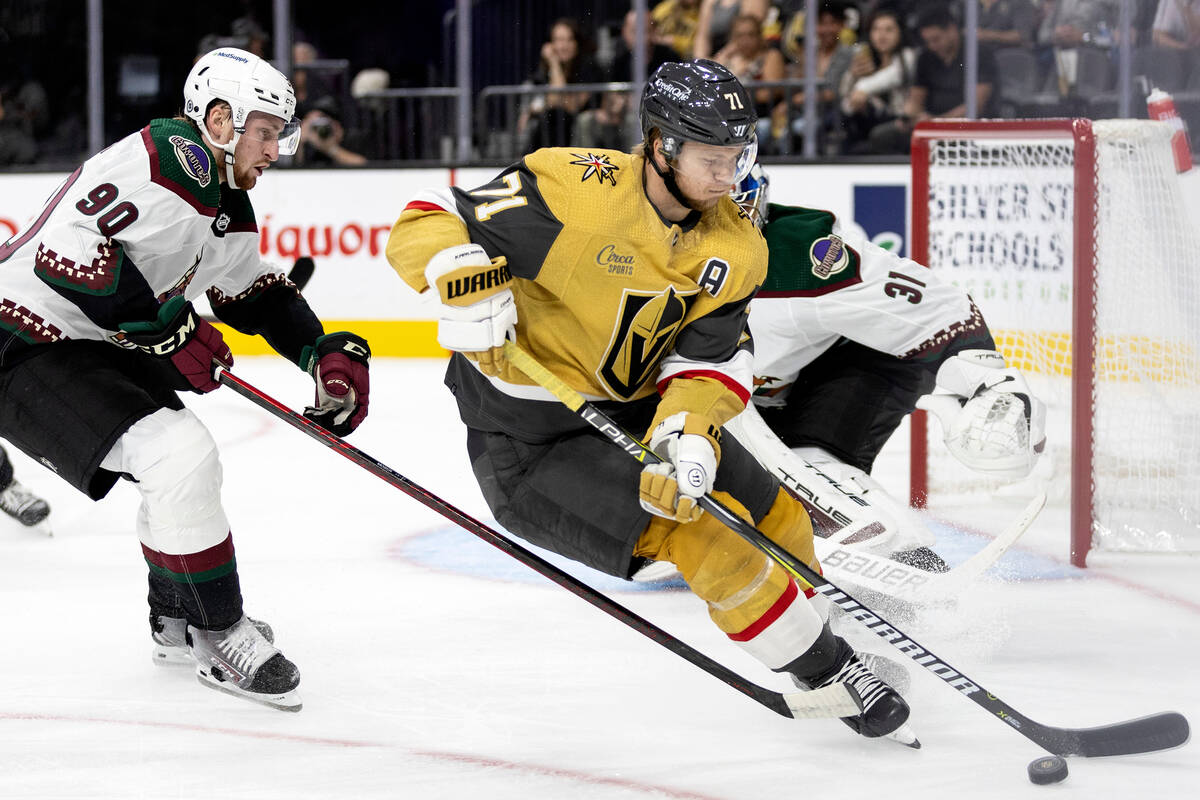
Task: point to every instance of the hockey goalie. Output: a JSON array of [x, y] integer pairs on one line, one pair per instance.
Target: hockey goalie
[[849, 338]]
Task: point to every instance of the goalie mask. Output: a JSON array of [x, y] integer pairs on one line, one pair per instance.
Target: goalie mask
[[247, 84], [701, 102], [751, 195]]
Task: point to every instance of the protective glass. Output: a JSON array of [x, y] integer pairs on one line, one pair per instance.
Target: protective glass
[[716, 164], [288, 136]]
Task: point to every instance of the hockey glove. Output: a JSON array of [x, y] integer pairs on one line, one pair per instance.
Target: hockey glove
[[339, 363], [690, 446], [478, 310], [189, 342], [990, 421]]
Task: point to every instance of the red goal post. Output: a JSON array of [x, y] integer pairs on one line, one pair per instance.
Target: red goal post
[[1041, 221]]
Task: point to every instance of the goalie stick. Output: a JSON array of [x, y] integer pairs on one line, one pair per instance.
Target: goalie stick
[[832, 701], [841, 516], [1160, 731]]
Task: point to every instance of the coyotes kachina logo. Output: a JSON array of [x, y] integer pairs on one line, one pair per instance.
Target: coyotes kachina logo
[[600, 166], [646, 327]]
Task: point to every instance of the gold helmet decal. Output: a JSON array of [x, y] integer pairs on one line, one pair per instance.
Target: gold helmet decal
[[646, 327]]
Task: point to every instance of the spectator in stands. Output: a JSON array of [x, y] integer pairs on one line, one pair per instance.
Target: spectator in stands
[[323, 137], [939, 86], [675, 22], [875, 87], [621, 68], [716, 23], [565, 59], [251, 35], [1177, 25], [1007, 23], [833, 60], [750, 58], [611, 125], [1070, 23], [17, 144]]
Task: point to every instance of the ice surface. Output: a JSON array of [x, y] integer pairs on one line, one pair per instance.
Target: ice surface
[[427, 676]]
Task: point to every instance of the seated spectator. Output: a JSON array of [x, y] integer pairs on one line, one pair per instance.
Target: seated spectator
[[565, 59], [657, 53], [876, 85], [939, 86], [1007, 23], [17, 143], [612, 124], [749, 58], [833, 60], [322, 137], [675, 22], [716, 23], [1177, 25]]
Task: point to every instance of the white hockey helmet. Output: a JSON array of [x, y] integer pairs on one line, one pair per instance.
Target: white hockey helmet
[[246, 83]]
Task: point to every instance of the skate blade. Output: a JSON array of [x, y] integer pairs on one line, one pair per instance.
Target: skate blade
[[285, 701], [905, 736], [165, 656]]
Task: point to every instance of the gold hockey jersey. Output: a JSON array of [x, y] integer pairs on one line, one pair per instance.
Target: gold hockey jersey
[[612, 298]]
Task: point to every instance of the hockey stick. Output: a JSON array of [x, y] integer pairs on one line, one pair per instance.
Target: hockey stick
[[1146, 734], [841, 515], [836, 702]]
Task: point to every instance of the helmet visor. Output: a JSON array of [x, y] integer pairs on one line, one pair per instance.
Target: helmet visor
[[288, 136], [715, 164]]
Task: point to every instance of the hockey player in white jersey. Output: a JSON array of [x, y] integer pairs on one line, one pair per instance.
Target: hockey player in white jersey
[[850, 338], [98, 333], [17, 501]]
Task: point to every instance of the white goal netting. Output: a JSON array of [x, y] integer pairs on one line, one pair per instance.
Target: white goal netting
[[1007, 215]]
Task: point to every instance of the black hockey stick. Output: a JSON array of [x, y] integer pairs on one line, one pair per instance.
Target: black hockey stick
[[833, 701], [1146, 734]]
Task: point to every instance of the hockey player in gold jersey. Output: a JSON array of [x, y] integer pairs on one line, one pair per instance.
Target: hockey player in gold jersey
[[629, 276]]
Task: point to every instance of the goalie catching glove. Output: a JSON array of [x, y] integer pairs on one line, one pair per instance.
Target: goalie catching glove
[[339, 364], [478, 310], [181, 336], [690, 446], [990, 421]]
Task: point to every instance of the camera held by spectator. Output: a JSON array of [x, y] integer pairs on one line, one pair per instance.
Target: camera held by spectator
[[322, 135]]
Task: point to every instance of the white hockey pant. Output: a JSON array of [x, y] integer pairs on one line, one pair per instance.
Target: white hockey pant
[[174, 460]]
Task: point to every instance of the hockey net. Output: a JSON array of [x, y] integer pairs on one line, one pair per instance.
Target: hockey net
[[1073, 238]]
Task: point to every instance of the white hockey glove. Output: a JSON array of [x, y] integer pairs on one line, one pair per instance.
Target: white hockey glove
[[478, 310], [990, 421], [690, 446]]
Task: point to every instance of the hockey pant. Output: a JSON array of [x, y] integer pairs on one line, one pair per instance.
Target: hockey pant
[[750, 597], [182, 527]]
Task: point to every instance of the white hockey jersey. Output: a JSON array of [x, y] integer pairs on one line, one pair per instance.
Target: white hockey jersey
[[142, 221], [825, 282]]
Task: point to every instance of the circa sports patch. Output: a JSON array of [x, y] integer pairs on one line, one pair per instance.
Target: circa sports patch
[[193, 158], [828, 255]]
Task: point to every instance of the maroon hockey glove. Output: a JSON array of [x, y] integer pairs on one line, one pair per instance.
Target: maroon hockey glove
[[339, 364], [189, 342]]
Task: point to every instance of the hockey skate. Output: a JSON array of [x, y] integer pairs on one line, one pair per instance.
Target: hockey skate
[[242, 662], [169, 635], [884, 713], [23, 505]]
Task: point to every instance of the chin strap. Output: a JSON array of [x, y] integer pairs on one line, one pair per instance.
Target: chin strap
[[668, 177], [226, 151]]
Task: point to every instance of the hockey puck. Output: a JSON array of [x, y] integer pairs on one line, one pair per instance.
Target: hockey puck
[[1048, 769]]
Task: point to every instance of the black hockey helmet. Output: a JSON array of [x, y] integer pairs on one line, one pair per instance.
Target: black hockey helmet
[[700, 101]]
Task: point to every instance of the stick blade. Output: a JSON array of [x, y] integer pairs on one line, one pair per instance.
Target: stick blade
[[1150, 734]]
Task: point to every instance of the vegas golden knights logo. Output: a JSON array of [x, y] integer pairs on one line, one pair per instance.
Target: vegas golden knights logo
[[645, 330]]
